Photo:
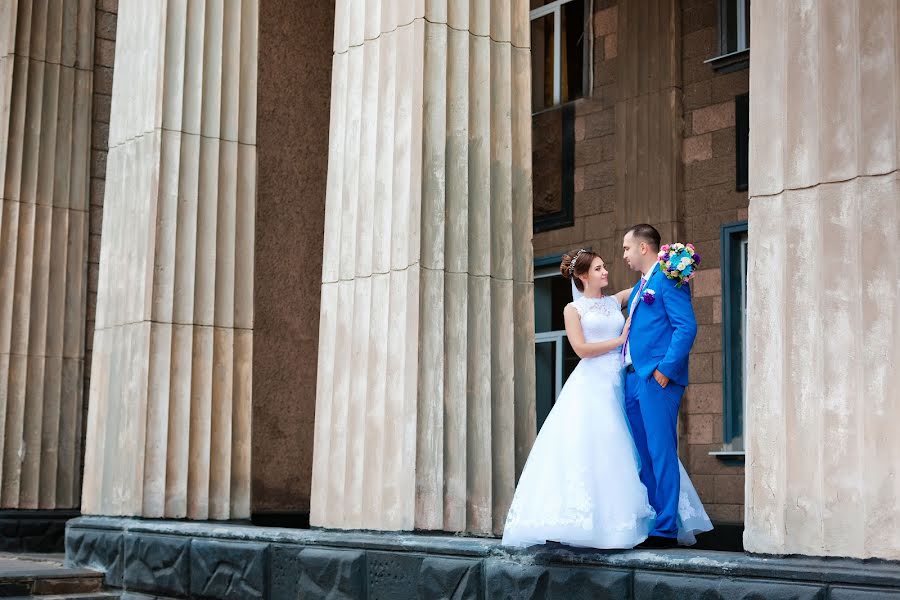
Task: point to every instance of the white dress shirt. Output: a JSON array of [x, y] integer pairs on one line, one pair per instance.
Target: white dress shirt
[[637, 298]]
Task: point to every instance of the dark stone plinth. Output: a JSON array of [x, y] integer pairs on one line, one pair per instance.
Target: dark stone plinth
[[98, 549], [853, 593], [299, 572], [227, 569], [34, 530], [167, 559], [449, 577], [671, 586], [158, 564]]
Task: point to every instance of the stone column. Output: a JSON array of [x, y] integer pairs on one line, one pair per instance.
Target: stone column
[[823, 308], [46, 78], [169, 418], [425, 399]]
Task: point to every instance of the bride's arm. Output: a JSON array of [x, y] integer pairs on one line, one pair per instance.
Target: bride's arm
[[623, 296], [576, 336]]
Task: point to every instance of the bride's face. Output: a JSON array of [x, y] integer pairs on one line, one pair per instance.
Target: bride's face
[[597, 276]]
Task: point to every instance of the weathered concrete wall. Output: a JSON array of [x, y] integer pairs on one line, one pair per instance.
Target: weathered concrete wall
[[46, 78], [169, 417], [425, 400], [824, 314]]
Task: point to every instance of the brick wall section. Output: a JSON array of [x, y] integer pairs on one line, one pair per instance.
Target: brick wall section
[[710, 201], [104, 57], [594, 149]]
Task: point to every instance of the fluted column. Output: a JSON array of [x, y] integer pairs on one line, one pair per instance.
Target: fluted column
[[46, 78], [425, 399], [824, 281], [169, 419]]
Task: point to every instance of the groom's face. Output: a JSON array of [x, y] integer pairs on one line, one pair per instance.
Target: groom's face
[[631, 252]]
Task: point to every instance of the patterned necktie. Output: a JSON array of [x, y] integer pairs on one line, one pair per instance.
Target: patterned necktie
[[637, 298]]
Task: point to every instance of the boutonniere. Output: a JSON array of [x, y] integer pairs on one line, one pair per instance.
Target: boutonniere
[[648, 296]]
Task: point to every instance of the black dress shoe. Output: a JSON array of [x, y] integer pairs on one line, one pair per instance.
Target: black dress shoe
[[657, 542]]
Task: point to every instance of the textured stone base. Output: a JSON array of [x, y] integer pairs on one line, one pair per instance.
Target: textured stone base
[[34, 530], [206, 560]]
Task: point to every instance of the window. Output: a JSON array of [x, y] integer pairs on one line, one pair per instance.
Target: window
[[557, 52], [734, 36], [554, 358], [553, 168], [742, 140], [734, 339], [734, 26]]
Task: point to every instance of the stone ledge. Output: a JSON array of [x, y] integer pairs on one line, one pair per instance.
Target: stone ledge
[[242, 561]]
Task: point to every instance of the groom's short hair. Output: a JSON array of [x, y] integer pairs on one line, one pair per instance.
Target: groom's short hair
[[646, 233]]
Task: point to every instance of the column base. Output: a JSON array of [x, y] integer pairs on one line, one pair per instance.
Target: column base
[[186, 559], [34, 530]]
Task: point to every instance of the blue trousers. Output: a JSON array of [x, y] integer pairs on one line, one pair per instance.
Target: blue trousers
[[652, 412]]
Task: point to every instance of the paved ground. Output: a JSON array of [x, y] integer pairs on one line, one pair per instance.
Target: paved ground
[[36, 564]]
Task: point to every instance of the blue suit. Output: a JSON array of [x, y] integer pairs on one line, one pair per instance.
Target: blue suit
[[662, 333]]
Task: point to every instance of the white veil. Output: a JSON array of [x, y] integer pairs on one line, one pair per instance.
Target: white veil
[[576, 295]]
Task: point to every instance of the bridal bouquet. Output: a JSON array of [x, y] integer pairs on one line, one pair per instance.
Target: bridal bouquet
[[679, 262]]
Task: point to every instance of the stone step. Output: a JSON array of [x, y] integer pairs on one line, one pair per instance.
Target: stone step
[[46, 576], [88, 596]]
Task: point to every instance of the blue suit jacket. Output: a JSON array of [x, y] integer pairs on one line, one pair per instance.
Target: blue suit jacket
[[662, 332]]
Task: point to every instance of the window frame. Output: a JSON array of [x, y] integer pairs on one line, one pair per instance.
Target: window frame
[[733, 237], [546, 267], [743, 41], [545, 263], [555, 8], [732, 60]]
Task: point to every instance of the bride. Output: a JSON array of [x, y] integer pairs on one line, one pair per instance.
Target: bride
[[580, 485]]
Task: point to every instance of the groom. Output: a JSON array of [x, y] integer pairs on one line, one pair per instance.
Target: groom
[[656, 372]]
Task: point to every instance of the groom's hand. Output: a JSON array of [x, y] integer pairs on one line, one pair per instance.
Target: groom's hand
[[661, 379]]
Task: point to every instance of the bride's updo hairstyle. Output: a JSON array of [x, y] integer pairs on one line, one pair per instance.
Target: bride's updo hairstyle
[[575, 264]]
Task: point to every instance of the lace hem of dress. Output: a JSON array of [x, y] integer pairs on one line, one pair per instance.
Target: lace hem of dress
[[686, 510], [576, 510]]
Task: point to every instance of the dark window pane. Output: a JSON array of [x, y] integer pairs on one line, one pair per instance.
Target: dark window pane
[[742, 140], [731, 25], [734, 25], [545, 379], [547, 162], [570, 360], [562, 295], [551, 294], [542, 62], [572, 59], [543, 304], [553, 164]]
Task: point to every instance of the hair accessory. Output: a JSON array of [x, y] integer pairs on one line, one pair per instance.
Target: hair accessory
[[575, 260]]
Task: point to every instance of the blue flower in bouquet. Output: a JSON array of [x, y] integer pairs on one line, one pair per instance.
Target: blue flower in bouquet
[[679, 262]]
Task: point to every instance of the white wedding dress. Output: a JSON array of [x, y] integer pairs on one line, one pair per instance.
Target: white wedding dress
[[580, 485]]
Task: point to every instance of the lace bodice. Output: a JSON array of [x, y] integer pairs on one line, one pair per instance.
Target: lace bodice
[[601, 318]]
